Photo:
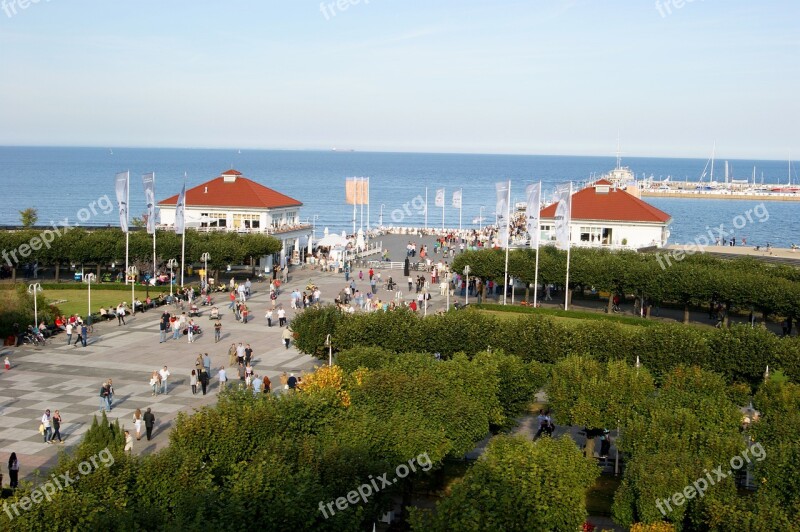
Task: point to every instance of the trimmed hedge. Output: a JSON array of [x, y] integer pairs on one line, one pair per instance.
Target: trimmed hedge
[[740, 353]]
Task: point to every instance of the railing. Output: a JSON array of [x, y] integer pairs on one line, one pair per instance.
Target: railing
[[261, 230]]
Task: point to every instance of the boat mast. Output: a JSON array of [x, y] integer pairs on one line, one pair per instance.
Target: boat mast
[[713, 152]]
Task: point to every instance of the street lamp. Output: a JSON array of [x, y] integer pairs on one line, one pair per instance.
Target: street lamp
[[380, 218], [89, 278], [171, 264], [480, 218], [133, 272], [448, 277], [466, 285], [34, 289], [329, 345], [205, 257]]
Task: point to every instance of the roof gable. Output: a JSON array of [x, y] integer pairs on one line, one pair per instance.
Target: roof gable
[[613, 205], [239, 192]]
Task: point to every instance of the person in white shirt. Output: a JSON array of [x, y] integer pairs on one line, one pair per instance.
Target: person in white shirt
[[47, 427], [223, 378], [164, 375], [281, 317], [69, 333]]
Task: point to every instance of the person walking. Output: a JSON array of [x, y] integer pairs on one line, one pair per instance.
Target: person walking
[[69, 333], [248, 355], [128, 443], [281, 317], [223, 378], [287, 337], [269, 317], [110, 394], [162, 328], [104, 397], [207, 363], [56, 427], [267, 385], [121, 314], [46, 424], [217, 331], [149, 421], [13, 471], [155, 382], [164, 373], [232, 355], [204, 378], [137, 423], [193, 382]]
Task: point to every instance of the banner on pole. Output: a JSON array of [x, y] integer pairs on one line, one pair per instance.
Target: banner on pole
[[501, 209], [121, 186], [180, 212], [563, 215], [149, 182], [533, 194], [457, 199], [439, 201], [356, 190]]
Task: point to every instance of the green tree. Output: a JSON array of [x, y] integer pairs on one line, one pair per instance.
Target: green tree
[[517, 485], [28, 217]]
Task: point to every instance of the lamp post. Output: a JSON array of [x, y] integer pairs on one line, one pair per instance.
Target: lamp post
[[133, 272], [466, 284], [171, 263], [329, 345], [89, 278], [380, 218], [448, 278], [480, 218], [34, 289], [205, 257]]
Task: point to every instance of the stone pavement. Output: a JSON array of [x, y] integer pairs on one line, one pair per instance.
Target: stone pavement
[[68, 379]]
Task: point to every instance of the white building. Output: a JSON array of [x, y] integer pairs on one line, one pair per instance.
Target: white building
[[606, 216], [231, 202]]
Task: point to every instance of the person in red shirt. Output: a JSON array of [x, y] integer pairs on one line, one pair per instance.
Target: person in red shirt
[[371, 273], [413, 305]]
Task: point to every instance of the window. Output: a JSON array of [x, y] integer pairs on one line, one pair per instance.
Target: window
[[243, 222], [213, 219], [591, 234]]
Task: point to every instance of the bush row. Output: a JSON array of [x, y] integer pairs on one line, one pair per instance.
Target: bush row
[[740, 353]]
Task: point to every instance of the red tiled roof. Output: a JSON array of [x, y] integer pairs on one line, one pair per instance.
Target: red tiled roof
[[242, 192], [615, 205]]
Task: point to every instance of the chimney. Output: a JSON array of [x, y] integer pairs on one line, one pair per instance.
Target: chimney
[[205, 190]]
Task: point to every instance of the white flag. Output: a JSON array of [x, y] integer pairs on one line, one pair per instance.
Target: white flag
[[563, 215], [439, 202], [180, 211], [122, 199], [534, 195], [503, 189], [457, 199], [149, 182]]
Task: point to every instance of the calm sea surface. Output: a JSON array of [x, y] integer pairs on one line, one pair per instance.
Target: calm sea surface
[[60, 181]]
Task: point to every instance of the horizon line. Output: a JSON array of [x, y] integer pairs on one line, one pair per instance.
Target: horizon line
[[378, 151]]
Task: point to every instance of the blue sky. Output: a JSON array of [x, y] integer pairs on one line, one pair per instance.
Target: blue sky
[[542, 77]]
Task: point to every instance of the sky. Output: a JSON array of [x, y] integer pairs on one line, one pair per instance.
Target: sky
[[563, 77]]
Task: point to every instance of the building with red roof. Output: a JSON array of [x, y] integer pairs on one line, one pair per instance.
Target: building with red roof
[[604, 215], [232, 202]]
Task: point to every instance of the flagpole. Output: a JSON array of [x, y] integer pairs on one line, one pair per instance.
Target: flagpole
[[127, 232], [426, 208], [537, 235], [460, 208], [508, 235], [361, 201], [569, 245], [355, 204], [366, 234], [154, 226], [183, 233], [444, 202]]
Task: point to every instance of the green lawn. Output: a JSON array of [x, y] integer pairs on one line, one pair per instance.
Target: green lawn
[[76, 301], [562, 315]]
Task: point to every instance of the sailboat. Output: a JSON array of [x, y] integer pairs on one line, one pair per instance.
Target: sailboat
[[788, 189], [712, 185]]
